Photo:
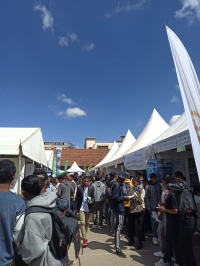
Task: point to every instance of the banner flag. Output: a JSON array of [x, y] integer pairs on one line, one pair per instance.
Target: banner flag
[[54, 165], [66, 165], [90, 166], [58, 157], [190, 91]]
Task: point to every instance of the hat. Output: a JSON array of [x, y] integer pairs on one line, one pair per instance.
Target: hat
[[123, 175]]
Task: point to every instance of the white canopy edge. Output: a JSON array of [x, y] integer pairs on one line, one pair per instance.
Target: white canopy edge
[[126, 144], [75, 168], [31, 141], [109, 155]]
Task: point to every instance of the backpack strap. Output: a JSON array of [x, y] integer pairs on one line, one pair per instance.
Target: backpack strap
[[36, 209]]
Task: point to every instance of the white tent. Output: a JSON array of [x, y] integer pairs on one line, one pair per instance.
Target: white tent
[[49, 155], [17, 143], [29, 139], [175, 136], [154, 128], [111, 152], [75, 168], [117, 158]]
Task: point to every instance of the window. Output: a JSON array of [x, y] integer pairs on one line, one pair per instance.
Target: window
[[102, 147]]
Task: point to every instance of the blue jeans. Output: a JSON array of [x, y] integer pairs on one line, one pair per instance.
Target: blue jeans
[[154, 226], [107, 212], [65, 203]]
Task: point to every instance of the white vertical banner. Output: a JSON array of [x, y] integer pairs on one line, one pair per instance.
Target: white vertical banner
[[58, 158], [190, 91]]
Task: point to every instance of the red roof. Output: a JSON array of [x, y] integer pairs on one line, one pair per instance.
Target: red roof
[[82, 156]]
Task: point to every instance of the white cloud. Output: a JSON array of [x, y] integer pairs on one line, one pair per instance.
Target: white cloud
[[63, 98], [47, 18], [72, 112], [173, 119], [190, 10], [65, 40], [88, 47], [174, 99], [177, 86], [138, 123], [126, 8]]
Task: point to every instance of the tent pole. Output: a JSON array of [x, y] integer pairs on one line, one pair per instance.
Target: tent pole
[[19, 169]]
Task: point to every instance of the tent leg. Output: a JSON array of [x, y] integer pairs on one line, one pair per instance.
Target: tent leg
[[19, 173]]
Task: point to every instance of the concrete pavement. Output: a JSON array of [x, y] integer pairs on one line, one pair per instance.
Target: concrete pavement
[[100, 251]]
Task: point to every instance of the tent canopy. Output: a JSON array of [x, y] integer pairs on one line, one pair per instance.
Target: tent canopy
[[177, 127], [31, 142], [154, 128], [75, 168], [118, 156], [111, 152], [49, 155]]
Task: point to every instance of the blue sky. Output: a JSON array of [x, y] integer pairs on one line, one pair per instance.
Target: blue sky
[[92, 68]]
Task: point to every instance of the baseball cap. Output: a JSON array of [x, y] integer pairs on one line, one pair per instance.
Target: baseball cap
[[123, 175]]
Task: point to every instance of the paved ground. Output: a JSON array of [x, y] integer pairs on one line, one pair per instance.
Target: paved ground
[[100, 251]]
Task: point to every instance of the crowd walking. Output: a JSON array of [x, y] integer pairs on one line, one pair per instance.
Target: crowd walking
[[127, 204]]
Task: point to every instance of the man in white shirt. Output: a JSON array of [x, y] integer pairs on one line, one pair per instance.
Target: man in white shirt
[[84, 199]]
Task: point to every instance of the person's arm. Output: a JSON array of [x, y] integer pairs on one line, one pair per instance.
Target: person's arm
[[116, 196], [170, 211], [59, 193], [147, 199], [19, 225]]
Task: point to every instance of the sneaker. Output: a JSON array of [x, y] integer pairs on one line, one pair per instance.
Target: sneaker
[[71, 262], [155, 241], [94, 226], [84, 243], [161, 263], [159, 254], [120, 253]]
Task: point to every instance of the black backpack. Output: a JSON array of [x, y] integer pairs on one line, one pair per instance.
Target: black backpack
[[65, 229]]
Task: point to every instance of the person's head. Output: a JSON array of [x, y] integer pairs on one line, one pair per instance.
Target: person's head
[[68, 177], [7, 171], [170, 180], [136, 181], [139, 174], [113, 175], [76, 175], [179, 176], [153, 178], [32, 186], [98, 178], [122, 176], [164, 181], [40, 172], [55, 181], [86, 181], [61, 178], [196, 189]]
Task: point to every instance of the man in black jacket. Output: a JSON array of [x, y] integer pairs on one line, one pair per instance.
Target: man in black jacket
[[118, 198], [84, 199]]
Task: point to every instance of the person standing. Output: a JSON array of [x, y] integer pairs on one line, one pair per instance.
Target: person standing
[[172, 227], [114, 177], [97, 208], [118, 198], [12, 211], [187, 210], [196, 191], [152, 198], [137, 211], [65, 191], [84, 200], [38, 227], [127, 185]]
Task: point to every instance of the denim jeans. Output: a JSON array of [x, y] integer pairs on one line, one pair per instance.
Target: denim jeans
[[154, 226], [185, 246], [112, 220], [65, 203], [118, 229], [107, 212]]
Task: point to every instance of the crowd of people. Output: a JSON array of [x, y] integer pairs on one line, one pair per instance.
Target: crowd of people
[[129, 205]]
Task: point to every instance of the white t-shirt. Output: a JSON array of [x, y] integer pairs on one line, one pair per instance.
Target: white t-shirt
[[84, 206]]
